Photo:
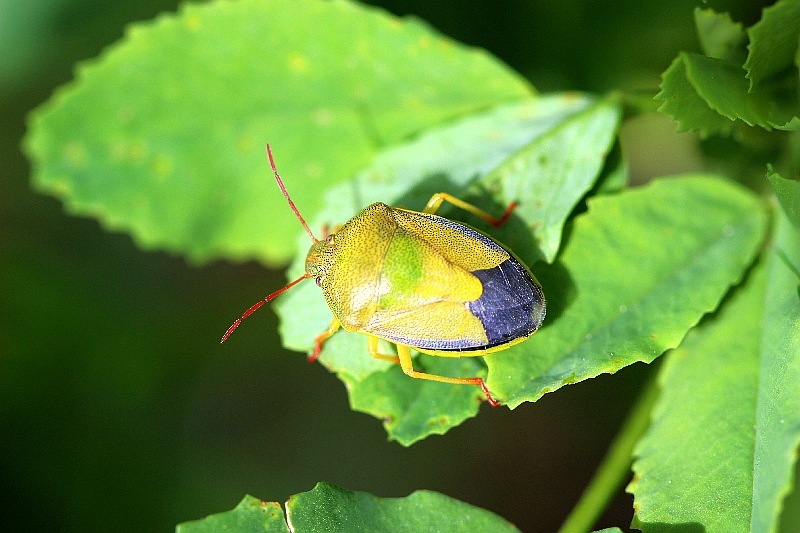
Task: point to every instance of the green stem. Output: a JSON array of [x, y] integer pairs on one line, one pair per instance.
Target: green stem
[[615, 468]]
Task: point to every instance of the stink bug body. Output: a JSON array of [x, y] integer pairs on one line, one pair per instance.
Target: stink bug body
[[420, 281]]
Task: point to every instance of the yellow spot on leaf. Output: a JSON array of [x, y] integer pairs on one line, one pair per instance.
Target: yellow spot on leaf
[[526, 112], [75, 154], [314, 169], [414, 102], [61, 186], [298, 63], [127, 150], [137, 151], [126, 114], [448, 48], [494, 135], [323, 116], [162, 166], [117, 150], [363, 47], [352, 61], [193, 22], [246, 143], [360, 90]]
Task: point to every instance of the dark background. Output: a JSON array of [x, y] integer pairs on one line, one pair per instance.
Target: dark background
[[119, 411]]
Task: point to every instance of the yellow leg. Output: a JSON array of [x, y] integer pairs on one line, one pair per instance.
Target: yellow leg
[[436, 201], [372, 348], [327, 231], [408, 368], [333, 328]]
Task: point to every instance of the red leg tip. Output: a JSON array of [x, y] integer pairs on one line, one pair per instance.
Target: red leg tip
[[488, 393], [315, 354], [502, 220]]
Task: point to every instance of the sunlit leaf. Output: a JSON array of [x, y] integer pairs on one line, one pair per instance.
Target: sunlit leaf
[[330, 508], [163, 136], [554, 171], [327, 508], [705, 416], [412, 409], [250, 516], [778, 409], [721, 450], [638, 271]]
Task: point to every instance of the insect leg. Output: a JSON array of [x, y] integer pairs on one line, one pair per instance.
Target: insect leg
[[436, 201], [333, 328], [372, 348], [408, 368], [326, 229]]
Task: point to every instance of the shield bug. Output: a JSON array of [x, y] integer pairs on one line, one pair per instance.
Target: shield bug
[[420, 281]]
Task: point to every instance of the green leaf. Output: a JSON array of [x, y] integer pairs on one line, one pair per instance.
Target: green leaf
[[705, 418], [638, 271], [720, 37], [413, 409], [163, 136], [544, 154], [788, 193], [553, 172], [730, 410], [250, 516], [773, 42], [778, 409], [682, 102], [616, 174], [722, 85], [701, 92], [329, 508], [459, 159]]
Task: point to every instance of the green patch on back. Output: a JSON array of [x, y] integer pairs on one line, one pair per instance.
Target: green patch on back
[[402, 269]]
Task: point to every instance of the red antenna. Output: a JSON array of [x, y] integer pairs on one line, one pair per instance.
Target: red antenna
[[290, 285], [286, 194], [259, 304]]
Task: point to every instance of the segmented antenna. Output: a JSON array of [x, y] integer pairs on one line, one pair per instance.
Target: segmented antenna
[[286, 194], [290, 285], [259, 304]]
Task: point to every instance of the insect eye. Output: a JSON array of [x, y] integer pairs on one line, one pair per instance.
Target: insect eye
[[318, 281], [329, 238]]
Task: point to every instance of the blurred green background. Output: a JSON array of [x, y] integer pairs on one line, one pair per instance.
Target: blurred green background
[[120, 411]]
